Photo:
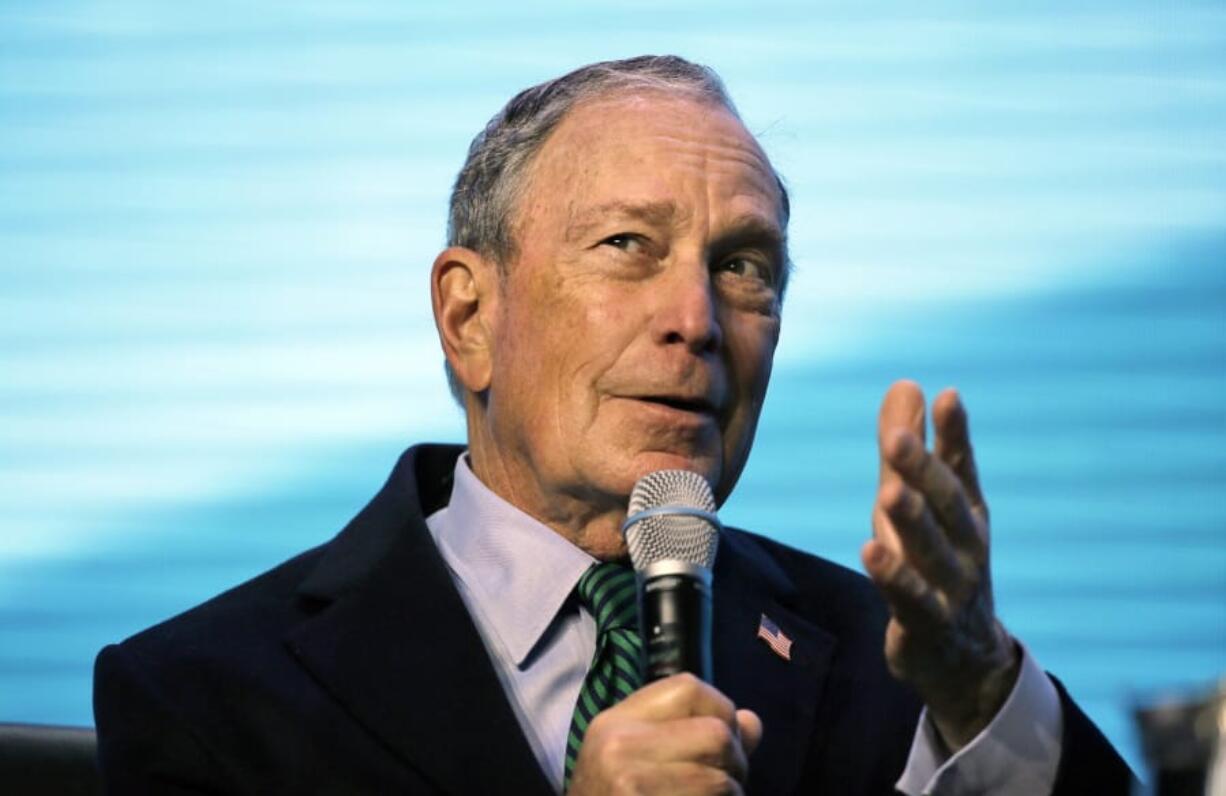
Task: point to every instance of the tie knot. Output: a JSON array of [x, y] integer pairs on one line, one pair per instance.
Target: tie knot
[[607, 590]]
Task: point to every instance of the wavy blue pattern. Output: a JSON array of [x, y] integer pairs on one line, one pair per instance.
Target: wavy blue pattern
[[216, 221]]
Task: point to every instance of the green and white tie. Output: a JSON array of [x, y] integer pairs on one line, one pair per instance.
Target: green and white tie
[[608, 592]]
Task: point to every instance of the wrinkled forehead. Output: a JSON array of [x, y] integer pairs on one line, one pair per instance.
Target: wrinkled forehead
[[630, 142]]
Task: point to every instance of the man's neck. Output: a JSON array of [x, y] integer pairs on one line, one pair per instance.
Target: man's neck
[[590, 522]]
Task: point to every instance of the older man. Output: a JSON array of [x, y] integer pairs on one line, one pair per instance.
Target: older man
[[609, 306]]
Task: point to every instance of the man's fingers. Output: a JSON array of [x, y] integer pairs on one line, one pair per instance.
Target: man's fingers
[[705, 740], [902, 407], [676, 778], [750, 728], [912, 602], [681, 779], [953, 446], [696, 748], [924, 542], [883, 528], [678, 697], [940, 487]]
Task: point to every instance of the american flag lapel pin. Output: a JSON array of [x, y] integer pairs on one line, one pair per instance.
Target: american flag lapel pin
[[775, 638]]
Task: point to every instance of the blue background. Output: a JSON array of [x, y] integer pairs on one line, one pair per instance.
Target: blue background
[[216, 225]]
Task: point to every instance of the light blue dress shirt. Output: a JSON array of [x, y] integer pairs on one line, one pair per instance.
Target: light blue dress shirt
[[517, 578]]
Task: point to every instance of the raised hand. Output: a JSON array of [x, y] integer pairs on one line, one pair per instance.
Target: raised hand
[[929, 557], [678, 735]]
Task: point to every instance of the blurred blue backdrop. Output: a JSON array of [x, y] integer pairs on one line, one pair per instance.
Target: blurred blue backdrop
[[217, 220]]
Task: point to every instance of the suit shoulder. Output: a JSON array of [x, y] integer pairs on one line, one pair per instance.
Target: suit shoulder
[[254, 612], [845, 599], [803, 568]]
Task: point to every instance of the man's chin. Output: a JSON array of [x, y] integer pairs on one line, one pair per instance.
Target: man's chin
[[604, 544], [705, 465]]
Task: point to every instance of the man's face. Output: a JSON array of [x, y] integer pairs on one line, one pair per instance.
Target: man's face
[[636, 326]]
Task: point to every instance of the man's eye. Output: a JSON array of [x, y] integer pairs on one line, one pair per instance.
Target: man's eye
[[625, 241], [748, 268]]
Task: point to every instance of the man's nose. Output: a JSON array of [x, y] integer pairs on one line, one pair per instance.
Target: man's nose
[[687, 308]]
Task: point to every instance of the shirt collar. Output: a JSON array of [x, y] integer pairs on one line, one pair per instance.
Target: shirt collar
[[517, 570]]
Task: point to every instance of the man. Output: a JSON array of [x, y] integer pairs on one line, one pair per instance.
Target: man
[[609, 306]]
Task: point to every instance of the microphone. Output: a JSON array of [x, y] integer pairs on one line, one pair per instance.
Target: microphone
[[672, 532]]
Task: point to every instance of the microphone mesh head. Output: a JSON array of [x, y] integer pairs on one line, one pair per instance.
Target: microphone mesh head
[[672, 536]]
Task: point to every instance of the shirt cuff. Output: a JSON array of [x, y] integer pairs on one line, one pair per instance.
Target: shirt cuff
[[1017, 753]]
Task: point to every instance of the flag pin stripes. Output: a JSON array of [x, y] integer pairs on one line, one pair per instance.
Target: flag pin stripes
[[775, 638]]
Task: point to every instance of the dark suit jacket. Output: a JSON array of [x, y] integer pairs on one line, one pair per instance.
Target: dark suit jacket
[[355, 668]]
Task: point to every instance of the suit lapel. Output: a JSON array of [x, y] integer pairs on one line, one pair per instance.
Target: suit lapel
[[784, 693], [392, 642], [395, 645]]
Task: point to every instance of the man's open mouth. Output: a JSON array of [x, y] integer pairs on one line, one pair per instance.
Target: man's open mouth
[[697, 405]]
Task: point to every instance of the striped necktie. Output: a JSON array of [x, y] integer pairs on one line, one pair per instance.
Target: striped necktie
[[608, 592]]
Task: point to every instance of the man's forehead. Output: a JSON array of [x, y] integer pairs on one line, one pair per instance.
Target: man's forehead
[[609, 152], [616, 122]]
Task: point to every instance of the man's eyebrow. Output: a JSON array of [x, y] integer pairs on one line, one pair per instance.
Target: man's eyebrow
[[760, 233], [657, 213], [752, 231]]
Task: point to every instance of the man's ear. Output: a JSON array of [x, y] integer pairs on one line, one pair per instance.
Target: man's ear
[[464, 292]]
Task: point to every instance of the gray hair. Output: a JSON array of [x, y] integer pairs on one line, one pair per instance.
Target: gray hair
[[482, 213]]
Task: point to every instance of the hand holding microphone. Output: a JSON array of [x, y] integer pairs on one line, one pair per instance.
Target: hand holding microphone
[[678, 734]]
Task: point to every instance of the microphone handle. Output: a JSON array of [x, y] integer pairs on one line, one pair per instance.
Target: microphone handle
[[675, 620]]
